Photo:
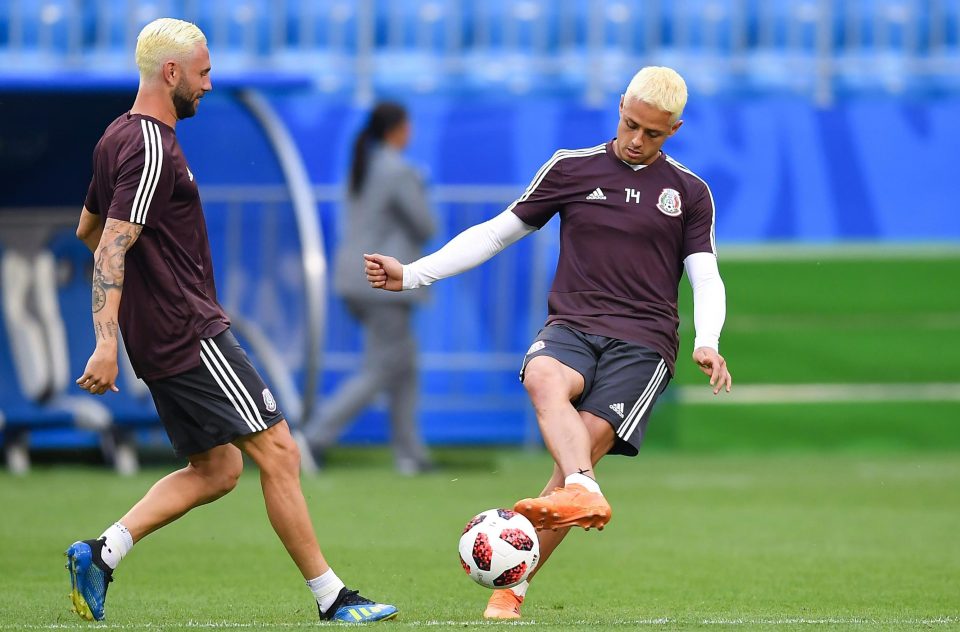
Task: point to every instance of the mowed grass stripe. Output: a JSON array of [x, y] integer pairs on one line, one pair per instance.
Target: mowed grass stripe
[[834, 320]]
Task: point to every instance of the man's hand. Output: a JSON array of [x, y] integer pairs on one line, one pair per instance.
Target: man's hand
[[713, 364], [101, 373], [384, 272]]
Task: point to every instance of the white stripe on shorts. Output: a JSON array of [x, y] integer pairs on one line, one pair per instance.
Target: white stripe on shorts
[[231, 385], [629, 424]]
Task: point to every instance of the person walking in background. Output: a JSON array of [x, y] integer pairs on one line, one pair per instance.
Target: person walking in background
[[387, 210], [631, 220], [153, 281]]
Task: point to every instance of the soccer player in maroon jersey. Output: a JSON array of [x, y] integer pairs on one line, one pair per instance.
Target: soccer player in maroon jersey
[[631, 220], [144, 221]]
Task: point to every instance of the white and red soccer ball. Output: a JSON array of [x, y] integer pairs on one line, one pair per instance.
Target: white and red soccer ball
[[499, 548]]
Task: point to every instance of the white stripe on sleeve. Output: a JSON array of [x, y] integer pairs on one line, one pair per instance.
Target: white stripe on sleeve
[[152, 162], [158, 153]]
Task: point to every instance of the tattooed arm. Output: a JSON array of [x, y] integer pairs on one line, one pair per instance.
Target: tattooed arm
[[90, 229], [108, 269]]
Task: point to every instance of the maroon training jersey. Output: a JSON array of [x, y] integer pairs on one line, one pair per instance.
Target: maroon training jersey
[[169, 301], [624, 234]]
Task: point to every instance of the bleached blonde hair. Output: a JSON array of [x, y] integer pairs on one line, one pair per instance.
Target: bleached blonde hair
[[661, 87], [164, 39]]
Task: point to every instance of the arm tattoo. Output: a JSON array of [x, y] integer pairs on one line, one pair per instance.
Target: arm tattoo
[[103, 331], [110, 259]]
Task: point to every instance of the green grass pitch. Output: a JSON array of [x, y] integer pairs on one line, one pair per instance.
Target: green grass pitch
[[697, 542], [839, 516]]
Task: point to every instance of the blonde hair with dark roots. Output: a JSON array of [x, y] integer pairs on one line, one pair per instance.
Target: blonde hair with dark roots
[[164, 39], [661, 87]]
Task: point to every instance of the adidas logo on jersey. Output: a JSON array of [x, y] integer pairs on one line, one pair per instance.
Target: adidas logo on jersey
[[597, 195], [617, 408]]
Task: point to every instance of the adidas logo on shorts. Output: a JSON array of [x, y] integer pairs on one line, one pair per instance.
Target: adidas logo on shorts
[[597, 195], [617, 408]]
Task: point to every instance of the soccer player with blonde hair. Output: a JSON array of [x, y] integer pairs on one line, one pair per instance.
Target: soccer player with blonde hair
[[153, 280], [631, 220]]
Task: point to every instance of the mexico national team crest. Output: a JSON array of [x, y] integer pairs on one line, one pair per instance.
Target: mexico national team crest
[[669, 202], [269, 401]]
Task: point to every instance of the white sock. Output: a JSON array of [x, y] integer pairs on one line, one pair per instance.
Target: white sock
[[583, 479], [325, 588], [520, 590], [118, 544]]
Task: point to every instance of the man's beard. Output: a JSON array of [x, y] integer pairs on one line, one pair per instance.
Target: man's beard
[[183, 103]]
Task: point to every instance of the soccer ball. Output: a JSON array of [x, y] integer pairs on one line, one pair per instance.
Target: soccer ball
[[499, 548]]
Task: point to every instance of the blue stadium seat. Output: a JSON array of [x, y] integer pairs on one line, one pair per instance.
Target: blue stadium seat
[[21, 414], [414, 44], [700, 26], [329, 25], [32, 389], [39, 35], [240, 29], [879, 41]]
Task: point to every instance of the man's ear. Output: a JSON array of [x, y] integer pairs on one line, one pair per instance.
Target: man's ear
[[170, 72]]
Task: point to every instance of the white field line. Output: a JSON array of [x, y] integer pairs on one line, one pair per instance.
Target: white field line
[[820, 393], [880, 623], [753, 323], [838, 252]]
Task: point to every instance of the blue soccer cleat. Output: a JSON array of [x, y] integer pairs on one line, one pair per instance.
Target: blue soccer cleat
[[89, 578], [350, 607]]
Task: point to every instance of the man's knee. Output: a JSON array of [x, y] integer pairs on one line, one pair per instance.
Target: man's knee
[[546, 378], [274, 450], [221, 473], [286, 452]]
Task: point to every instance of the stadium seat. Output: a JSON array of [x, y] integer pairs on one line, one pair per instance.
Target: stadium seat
[[32, 354]]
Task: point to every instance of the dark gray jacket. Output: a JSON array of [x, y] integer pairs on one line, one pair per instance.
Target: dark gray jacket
[[391, 216]]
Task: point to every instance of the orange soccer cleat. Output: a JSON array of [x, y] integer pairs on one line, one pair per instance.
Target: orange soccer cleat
[[503, 604], [568, 506]]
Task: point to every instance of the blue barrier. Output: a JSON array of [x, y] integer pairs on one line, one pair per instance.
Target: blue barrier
[[780, 168]]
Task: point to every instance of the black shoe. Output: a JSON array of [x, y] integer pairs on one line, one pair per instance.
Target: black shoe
[[352, 608]]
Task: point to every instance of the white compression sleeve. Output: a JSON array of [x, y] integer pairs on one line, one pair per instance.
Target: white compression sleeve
[[709, 299], [467, 250]]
